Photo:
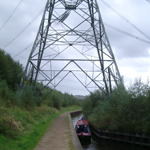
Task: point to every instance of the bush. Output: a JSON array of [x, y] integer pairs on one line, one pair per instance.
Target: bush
[[8, 125], [10, 70], [87, 107], [4, 90], [56, 101], [27, 99], [126, 110], [7, 96]]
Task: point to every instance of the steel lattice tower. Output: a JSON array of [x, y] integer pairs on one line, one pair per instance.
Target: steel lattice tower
[[72, 40]]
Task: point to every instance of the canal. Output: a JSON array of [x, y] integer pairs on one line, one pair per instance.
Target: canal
[[101, 144]]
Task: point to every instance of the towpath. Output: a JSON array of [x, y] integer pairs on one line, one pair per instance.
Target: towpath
[[60, 136]]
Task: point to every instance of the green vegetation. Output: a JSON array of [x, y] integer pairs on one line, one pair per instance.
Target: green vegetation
[[126, 110], [24, 117], [24, 128], [71, 146], [10, 70]]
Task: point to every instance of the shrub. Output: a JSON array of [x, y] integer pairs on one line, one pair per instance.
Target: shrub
[[7, 96], [126, 110], [87, 107], [4, 90], [9, 126], [56, 101], [27, 99]]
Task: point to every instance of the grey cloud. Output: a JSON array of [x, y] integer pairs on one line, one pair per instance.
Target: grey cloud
[[129, 52]]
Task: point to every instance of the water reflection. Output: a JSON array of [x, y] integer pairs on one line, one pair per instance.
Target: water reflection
[[100, 144]]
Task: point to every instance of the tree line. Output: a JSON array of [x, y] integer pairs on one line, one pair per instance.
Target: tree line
[[125, 110], [11, 72], [21, 111]]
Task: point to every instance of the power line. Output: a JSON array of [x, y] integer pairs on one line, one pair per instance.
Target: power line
[[23, 50], [11, 15], [107, 25], [126, 20], [23, 29], [126, 33]]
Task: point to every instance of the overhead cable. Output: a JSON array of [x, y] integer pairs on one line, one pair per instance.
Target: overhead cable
[[126, 33], [23, 50], [126, 20], [23, 29], [11, 15]]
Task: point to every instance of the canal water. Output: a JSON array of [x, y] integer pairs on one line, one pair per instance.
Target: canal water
[[101, 144]]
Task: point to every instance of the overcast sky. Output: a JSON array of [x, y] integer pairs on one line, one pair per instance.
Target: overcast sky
[[18, 29]]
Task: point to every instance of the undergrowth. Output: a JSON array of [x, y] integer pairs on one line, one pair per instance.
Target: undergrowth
[[125, 110], [21, 129], [71, 146]]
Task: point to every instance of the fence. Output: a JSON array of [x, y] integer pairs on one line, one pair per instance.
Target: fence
[[121, 137]]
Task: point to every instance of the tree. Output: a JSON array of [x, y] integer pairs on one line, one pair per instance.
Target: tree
[[10, 70]]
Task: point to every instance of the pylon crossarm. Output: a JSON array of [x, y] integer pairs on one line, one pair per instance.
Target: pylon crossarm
[[94, 78], [87, 58], [40, 72], [56, 75], [90, 78], [53, 87], [81, 82]]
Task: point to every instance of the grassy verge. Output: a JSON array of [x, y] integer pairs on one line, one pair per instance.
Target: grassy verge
[[32, 126], [71, 147]]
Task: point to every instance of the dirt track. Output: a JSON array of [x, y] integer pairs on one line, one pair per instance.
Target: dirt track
[[57, 137]]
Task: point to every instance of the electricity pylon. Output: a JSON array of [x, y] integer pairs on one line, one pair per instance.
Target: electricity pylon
[[72, 40]]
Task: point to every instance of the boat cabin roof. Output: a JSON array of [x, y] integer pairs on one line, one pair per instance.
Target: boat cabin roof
[[82, 122]]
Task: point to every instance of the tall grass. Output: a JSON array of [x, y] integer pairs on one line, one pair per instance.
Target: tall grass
[[23, 121], [24, 116], [22, 129]]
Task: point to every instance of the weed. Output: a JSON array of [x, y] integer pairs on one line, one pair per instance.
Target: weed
[[30, 131], [71, 146]]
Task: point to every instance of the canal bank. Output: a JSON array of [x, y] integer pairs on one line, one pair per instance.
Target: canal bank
[[76, 143], [97, 143], [131, 138], [61, 135]]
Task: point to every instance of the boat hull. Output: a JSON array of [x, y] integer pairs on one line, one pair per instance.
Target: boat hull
[[84, 136], [83, 130]]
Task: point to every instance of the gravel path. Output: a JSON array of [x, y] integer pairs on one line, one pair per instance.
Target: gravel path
[[57, 137]]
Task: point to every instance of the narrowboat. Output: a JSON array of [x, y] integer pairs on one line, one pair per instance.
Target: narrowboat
[[83, 130]]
